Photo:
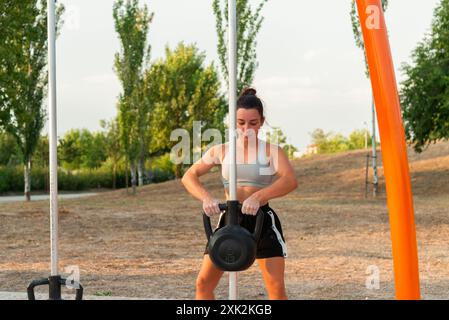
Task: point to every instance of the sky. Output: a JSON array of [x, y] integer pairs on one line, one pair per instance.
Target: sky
[[310, 75]]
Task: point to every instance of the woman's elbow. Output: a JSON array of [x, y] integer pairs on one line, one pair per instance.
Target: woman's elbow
[[294, 183], [185, 178], [188, 176]]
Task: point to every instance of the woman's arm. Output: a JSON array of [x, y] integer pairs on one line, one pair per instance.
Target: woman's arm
[[285, 183], [191, 180]]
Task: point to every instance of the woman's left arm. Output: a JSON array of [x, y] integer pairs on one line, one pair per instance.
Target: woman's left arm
[[286, 181]]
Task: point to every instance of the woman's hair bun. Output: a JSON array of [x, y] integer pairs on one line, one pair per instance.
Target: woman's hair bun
[[248, 92]]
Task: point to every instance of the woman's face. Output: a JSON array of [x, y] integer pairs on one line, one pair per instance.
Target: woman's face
[[249, 122]]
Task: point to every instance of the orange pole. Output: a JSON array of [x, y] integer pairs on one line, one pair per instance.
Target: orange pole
[[394, 152]]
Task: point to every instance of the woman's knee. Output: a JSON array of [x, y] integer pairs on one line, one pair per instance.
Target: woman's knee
[[204, 284]]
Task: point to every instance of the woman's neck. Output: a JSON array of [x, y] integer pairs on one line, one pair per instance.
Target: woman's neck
[[246, 143]]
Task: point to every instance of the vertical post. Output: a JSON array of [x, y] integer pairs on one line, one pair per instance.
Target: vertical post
[[366, 175], [366, 135], [374, 145], [53, 136], [394, 152], [232, 32]]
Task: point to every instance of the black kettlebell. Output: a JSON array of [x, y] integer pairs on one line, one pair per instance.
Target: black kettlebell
[[233, 248]]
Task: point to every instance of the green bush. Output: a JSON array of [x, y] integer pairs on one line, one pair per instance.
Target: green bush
[[12, 180], [161, 169]]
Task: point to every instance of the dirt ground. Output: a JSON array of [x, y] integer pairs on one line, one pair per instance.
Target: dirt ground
[[151, 245]]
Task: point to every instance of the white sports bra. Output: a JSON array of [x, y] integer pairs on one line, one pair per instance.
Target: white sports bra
[[259, 173]]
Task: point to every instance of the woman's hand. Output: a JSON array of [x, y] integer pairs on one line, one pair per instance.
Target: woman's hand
[[210, 206], [251, 205]]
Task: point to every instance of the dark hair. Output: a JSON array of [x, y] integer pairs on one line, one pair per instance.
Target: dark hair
[[249, 100]]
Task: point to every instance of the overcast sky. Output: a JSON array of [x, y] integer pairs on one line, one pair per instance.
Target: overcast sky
[[310, 73]]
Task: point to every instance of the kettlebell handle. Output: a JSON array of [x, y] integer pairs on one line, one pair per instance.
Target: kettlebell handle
[[223, 207]]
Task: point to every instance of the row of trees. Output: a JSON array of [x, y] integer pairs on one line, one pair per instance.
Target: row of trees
[[173, 92], [330, 142], [157, 96]]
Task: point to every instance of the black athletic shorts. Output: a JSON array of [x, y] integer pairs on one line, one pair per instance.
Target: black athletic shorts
[[272, 242]]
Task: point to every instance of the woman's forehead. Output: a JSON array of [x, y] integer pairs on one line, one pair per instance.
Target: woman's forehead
[[248, 114]]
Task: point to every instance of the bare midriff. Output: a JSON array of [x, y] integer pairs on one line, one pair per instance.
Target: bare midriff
[[243, 193]]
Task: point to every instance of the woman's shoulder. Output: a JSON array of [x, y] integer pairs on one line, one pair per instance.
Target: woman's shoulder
[[218, 151], [270, 148]]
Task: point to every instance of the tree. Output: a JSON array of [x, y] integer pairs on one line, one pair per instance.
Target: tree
[[113, 148], [70, 150], [184, 91], [9, 152], [132, 25], [23, 74], [41, 157], [249, 22], [329, 142], [279, 138], [425, 92], [357, 138], [82, 149]]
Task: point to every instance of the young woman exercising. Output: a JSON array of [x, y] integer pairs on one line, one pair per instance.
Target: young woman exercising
[[263, 173]]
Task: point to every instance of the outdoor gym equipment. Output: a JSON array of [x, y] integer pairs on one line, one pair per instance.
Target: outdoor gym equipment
[[232, 247], [55, 281]]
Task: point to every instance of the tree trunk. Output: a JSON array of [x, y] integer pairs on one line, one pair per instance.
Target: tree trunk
[[141, 170], [126, 175], [133, 176], [178, 172], [27, 176], [114, 176]]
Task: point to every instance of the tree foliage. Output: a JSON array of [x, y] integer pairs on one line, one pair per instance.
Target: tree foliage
[[329, 142], [182, 91], [82, 149], [278, 137], [23, 74], [249, 23], [425, 92], [132, 24]]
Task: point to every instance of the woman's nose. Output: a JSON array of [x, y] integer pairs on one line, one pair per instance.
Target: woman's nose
[[246, 127]]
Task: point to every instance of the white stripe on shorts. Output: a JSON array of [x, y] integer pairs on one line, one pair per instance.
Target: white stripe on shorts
[[278, 234]]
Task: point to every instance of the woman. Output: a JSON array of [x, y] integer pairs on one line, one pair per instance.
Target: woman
[[258, 181]]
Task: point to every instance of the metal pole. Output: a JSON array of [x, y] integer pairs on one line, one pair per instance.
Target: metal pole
[[374, 143], [53, 138], [394, 151], [366, 134], [233, 290], [366, 175]]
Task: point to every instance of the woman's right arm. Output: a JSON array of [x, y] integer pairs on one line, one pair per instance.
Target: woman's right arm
[[192, 183]]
